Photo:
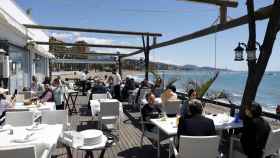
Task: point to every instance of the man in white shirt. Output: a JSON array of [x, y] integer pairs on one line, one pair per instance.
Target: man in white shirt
[[116, 84], [83, 80]]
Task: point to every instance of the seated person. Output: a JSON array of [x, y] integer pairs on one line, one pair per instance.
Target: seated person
[[144, 85], [169, 94], [195, 124], [99, 87], [47, 95], [150, 111], [35, 86], [184, 108], [255, 132], [4, 104], [157, 89]]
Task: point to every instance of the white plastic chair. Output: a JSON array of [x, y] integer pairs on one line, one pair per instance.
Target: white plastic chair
[[56, 117], [109, 114], [172, 107], [22, 151], [19, 118], [142, 96], [196, 147], [271, 148]]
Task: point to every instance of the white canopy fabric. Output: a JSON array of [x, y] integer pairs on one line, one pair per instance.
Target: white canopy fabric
[[12, 15]]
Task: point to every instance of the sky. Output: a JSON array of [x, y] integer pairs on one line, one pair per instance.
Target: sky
[[172, 18]]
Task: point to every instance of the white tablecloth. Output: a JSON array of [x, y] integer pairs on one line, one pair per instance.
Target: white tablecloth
[[95, 106], [44, 106], [45, 138], [221, 121]]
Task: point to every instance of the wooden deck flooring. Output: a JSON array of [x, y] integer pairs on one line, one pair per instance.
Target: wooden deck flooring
[[128, 145]]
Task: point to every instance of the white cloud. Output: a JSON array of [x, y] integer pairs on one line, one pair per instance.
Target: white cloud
[[63, 36], [93, 40]]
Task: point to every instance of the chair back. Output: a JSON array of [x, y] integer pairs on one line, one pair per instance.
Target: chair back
[[143, 93], [18, 152], [55, 117], [19, 118], [199, 146], [109, 108], [100, 96], [172, 107], [273, 143]]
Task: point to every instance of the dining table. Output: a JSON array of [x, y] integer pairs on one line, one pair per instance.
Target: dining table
[[169, 125], [43, 136]]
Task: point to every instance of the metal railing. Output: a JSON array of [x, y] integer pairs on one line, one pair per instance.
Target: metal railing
[[232, 107]]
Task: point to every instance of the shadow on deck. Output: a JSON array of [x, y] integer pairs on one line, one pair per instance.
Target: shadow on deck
[[128, 145]]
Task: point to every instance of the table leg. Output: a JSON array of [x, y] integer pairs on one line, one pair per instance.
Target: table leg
[[74, 110], [102, 153], [69, 153], [67, 104], [89, 154], [158, 144]]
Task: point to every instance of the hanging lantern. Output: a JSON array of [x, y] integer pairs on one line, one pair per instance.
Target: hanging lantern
[[238, 53], [251, 54]]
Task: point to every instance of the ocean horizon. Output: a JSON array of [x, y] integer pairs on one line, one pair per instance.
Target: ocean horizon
[[230, 82]]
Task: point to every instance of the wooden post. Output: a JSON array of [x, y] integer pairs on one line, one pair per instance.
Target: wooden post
[[223, 14], [146, 47], [256, 69], [120, 65]]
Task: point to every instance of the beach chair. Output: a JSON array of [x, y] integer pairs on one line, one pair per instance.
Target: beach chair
[[23, 151], [196, 147], [172, 107], [271, 148], [19, 118]]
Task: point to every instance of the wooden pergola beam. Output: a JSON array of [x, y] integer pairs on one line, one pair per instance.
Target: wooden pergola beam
[[261, 14], [227, 3], [89, 45], [89, 54], [76, 29]]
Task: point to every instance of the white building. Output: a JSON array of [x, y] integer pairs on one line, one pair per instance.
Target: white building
[[17, 63]]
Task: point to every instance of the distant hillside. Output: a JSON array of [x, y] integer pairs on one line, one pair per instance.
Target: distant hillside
[[194, 67], [131, 63]]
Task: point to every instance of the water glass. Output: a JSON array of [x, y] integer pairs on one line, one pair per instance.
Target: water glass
[[78, 139]]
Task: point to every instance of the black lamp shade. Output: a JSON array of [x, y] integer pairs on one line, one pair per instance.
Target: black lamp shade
[[238, 53], [251, 54]]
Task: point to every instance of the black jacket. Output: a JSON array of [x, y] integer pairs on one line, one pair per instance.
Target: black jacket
[[254, 136], [196, 126]]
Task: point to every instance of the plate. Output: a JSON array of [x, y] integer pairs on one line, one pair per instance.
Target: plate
[[35, 128], [22, 140]]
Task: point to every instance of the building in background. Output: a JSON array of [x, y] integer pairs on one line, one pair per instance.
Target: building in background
[[20, 58]]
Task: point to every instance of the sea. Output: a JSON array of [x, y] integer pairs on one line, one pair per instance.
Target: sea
[[230, 82]]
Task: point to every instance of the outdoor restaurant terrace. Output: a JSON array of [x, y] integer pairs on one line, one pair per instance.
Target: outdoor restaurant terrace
[[48, 112]]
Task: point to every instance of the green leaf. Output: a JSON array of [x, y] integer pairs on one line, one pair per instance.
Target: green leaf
[[202, 89]]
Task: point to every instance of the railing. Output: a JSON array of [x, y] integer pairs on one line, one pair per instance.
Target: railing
[[231, 106]]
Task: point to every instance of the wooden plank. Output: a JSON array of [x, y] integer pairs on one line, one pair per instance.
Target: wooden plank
[[227, 3], [89, 45], [76, 29]]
